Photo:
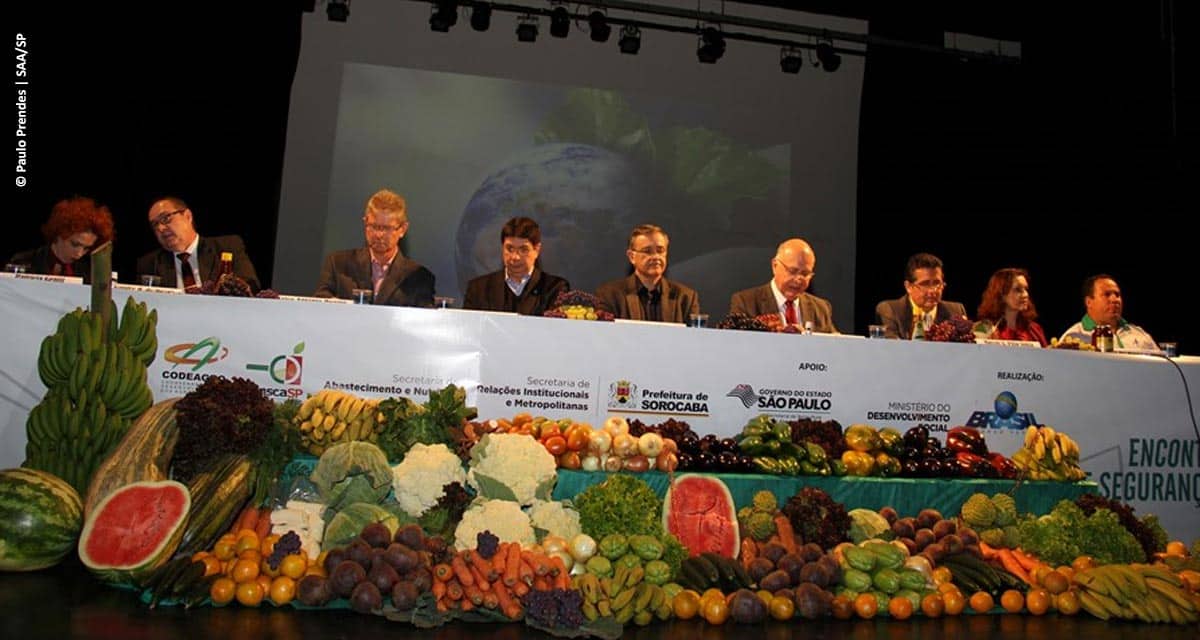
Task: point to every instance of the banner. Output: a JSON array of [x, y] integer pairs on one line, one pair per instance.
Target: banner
[[1131, 414]]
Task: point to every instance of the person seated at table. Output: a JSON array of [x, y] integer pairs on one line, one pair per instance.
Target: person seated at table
[[787, 292], [521, 286], [910, 316], [1006, 311], [647, 294], [186, 260], [380, 267], [1104, 305], [76, 226]]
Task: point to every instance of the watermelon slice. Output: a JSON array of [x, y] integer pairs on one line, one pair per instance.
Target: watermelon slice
[[699, 510], [134, 530]]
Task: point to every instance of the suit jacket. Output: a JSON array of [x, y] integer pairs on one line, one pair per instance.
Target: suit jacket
[[41, 261], [491, 293], [620, 297], [760, 300], [406, 284], [897, 318], [161, 262]]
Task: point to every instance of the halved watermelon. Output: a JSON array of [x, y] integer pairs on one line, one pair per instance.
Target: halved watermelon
[[699, 510], [134, 530], [40, 518]]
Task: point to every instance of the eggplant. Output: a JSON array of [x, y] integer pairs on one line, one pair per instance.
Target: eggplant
[[916, 436], [966, 439]]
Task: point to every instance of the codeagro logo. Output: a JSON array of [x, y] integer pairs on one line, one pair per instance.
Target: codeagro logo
[[285, 369], [1004, 415], [196, 354], [620, 394]]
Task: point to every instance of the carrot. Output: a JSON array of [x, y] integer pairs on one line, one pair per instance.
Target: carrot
[[263, 526], [500, 560], [442, 572], [466, 604], [454, 590], [508, 604], [247, 520], [512, 565], [1012, 566], [1028, 561], [461, 571], [490, 600], [562, 577], [987, 550], [481, 580], [525, 571], [520, 589], [749, 551], [439, 589], [443, 606], [787, 536], [541, 583], [539, 562], [482, 566], [473, 593]]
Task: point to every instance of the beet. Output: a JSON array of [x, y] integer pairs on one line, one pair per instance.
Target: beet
[[404, 595], [313, 591], [411, 536], [811, 552], [421, 577], [401, 557], [383, 575], [816, 573], [759, 568], [359, 551], [911, 545], [792, 564], [890, 515], [936, 552], [747, 608], [366, 597], [333, 559], [812, 602], [944, 528], [953, 544], [968, 535], [773, 551], [345, 577], [376, 534], [927, 518], [924, 538], [905, 528]]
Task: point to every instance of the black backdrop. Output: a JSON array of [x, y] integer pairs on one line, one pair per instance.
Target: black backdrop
[[1071, 163]]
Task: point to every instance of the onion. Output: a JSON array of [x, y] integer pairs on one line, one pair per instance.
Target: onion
[[590, 463], [666, 462], [612, 463], [637, 463], [616, 425], [624, 445], [600, 442], [650, 444], [566, 558], [582, 547], [670, 445], [552, 543]]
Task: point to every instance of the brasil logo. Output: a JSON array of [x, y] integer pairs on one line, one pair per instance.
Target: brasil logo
[[286, 368], [197, 354]]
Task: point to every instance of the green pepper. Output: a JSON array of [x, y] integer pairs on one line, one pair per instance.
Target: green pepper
[[657, 572], [815, 452], [751, 445], [792, 450], [858, 463], [766, 464], [773, 447], [837, 467], [893, 442], [646, 547], [754, 429], [790, 466], [824, 469], [782, 431], [886, 465], [613, 546], [808, 468]]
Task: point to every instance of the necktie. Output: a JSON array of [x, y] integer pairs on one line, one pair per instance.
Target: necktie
[[919, 328], [789, 312], [185, 269]]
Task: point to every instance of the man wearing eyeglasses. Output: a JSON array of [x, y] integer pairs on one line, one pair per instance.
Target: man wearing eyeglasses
[[187, 260], [909, 317], [647, 295], [787, 292], [521, 286], [396, 280]]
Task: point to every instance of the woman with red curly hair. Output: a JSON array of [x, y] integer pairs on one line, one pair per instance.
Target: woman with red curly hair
[[76, 225], [1006, 311]]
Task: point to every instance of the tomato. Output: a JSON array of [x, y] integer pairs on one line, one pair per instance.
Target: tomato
[[715, 610], [222, 590], [549, 430], [1038, 601], [866, 606], [932, 605], [578, 437], [954, 602], [283, 590], [981, 602], [686, 604], [782, 608], [843, 608], [555, 444], [250, 593], [245, 570], [900, 608]]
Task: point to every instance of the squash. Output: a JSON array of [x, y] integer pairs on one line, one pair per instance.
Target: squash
[[142, 455]]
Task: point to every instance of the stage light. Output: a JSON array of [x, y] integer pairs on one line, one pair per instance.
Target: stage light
[[712, 45], [560, 22], [631, 40], [527, 28], [481, 17], [598, 25], [444, 16], [790, 60], [830, 60], [338, 10]]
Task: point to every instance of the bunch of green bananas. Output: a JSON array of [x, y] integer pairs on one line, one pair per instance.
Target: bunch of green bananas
[[96, 381], [330, 416], [624, 596], [1049, 455], [1136, 592]]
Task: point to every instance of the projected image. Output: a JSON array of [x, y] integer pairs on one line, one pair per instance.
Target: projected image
[[470, 152]]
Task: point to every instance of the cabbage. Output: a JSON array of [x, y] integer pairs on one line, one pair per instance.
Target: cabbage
[[349, 523], [352, 472], [866, 524]]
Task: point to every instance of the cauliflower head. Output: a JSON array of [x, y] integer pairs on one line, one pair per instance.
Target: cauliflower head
[[511, 466], [504, 518], [419, 478], [554, 519]]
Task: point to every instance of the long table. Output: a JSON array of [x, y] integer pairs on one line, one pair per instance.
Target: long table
[[1131, 414]]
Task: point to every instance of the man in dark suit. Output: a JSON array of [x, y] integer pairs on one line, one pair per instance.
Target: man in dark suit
[[521, 286], [647, 295], [187, 259], [380, 267], [787, 292], [909, 317]]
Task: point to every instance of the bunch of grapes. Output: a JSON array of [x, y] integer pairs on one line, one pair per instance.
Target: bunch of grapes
[[578, 305], [742, 322], [287, 544], [268, 293], [957, 329], [554, 608]]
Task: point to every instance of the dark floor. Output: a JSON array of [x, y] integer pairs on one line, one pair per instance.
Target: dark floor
[[65, 602]]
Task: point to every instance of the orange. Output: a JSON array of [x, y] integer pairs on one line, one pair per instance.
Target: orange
[[244, 570], [268, 544], [294, 566], [765, 596], [250, 593], [224, 548], [942, 575], [264, 568], [222, 590], [1055, 582], [843, 608], [782, 608], [900, 608], [246, 540], [712, 594], [866, 606], [1083, 563], [686, 604], [212, 566], [947, 587], [1011, 600], [933, 605], [264, 582], [1038, 601], [251, 554], [954, 602], [283, 590], [981, 602], [1067, 603], [1067, 571], [715, 611]]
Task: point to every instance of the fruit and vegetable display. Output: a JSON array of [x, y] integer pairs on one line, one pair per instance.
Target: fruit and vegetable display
[[578, 305], [1049, 455], [957, 329]]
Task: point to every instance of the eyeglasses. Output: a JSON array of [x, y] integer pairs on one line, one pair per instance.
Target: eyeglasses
[[926, 285], [522, 250], [165, 219], [795, 272], [651, 251], [382, 228]]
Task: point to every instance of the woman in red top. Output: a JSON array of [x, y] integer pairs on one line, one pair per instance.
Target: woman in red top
[[76, 226], [1006, 311]]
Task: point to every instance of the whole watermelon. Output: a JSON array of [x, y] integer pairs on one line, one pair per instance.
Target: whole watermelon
[[40, 519]]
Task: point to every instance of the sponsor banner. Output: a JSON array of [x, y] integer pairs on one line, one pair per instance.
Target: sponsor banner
[[1129, 413]]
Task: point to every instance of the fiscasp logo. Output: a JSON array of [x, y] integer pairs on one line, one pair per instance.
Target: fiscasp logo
[[620, 393], [196, 354], [1004, 414], [286, 368], [745, 393]]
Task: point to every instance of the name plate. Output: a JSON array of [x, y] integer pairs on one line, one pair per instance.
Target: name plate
[[316, 299], [1009, 343], [43, 277], [171, 291]]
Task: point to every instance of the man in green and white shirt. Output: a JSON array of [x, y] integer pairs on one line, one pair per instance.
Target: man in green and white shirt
[[1102, 298]]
